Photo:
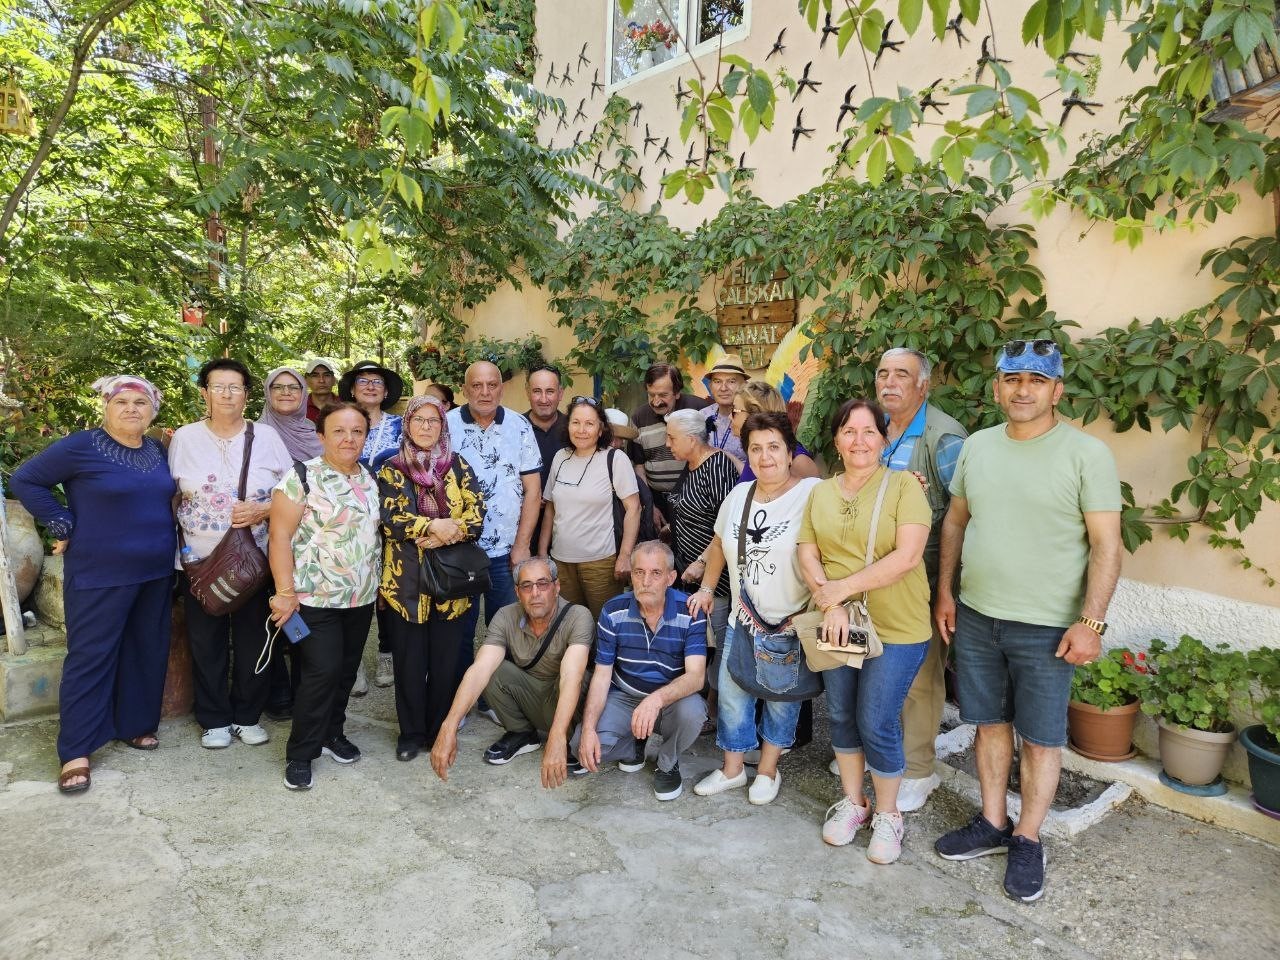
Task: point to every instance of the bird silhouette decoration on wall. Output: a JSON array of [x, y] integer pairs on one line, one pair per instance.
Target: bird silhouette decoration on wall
[[805, 83], [827, 30], [847, 106], [987, 57], [552, 76], [691, 160], [800, 130], [1076, 57], [566, 78], [663, 152], [580, 113], [1073, 101], [927, 102], [634, 110], [561, 123], [778, 45], [953, 26], [649, 140], [582, 56], [682, 92], [886, 44], [596, 85]]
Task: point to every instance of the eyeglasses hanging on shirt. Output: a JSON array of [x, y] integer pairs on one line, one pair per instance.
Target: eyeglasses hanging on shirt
[[572, 483]]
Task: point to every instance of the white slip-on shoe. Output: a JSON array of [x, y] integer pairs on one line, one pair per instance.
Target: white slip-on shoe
[[913, 793], [716, 782], [765, 789], [844, 819], [216, 738], [886, 838], [252, 735]]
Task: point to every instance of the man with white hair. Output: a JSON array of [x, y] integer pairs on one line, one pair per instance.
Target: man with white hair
[[927, 442]]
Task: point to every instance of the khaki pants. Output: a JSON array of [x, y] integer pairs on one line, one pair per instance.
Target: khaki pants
[[922, 712], [522, 702], [591, 584]]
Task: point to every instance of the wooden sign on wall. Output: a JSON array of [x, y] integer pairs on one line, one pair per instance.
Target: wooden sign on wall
[[754, 317]]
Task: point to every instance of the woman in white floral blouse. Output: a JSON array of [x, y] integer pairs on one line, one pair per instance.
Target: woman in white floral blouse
[[324, 560]]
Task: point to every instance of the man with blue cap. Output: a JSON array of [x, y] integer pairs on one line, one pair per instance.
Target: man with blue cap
[[1034, 526]]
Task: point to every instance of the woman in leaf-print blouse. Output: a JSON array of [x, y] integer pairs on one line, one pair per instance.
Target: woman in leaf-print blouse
[[430, 498], [324, 560]]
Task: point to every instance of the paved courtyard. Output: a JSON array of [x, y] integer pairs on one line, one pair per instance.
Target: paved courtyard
[[189, 853]]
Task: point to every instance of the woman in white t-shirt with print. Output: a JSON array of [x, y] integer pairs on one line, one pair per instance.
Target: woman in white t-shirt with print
[[771, 577], [578, 529]]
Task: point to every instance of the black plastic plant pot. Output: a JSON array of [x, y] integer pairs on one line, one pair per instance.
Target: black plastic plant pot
[[1264, 767]]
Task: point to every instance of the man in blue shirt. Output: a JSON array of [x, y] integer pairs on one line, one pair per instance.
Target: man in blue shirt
[[651, 657], [927, 442]]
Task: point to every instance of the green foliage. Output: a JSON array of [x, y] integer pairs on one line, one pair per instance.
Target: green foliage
[[1264, 670], [1116, 678], [445, 358], [1193, 685]]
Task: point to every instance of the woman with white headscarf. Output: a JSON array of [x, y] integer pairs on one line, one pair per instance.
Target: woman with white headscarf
[[116, 535], [286, 412]]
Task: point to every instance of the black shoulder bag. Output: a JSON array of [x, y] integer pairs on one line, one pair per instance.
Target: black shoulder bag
[[454, 571]]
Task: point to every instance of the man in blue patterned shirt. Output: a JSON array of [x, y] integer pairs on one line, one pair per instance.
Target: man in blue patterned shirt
[[927, 442], [651, 657]]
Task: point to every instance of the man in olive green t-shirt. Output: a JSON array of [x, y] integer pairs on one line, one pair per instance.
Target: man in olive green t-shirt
[[530, 668], [1035, 505]]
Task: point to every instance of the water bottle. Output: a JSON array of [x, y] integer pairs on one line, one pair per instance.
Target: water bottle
[[188, 556]]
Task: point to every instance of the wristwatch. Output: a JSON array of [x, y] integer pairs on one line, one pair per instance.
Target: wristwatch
[[1097, 626]]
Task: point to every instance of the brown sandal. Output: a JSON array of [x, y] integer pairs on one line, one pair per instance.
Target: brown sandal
[[67, 775], [137, 742]]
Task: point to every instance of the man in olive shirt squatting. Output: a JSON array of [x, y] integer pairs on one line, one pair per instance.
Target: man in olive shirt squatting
[[528, 692], [1035, 503]]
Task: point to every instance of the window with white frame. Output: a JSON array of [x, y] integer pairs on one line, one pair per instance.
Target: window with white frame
[[656, 30]]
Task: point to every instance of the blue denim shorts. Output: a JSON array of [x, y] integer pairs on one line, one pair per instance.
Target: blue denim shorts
[[1006, 673]]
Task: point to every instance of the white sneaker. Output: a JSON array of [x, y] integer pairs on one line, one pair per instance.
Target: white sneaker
[[912, 794], [886, 838], [361, 686], [844, 819], [463, 722], [253, 735], [752, 757], [216, 739], [386, 674], [716, 782], [834, 766], [764, 789]]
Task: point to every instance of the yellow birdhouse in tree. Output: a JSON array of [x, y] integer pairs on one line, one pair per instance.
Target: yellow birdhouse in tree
[[15, 110]]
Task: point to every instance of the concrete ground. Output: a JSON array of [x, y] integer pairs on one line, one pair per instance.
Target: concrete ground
[[189, 853]]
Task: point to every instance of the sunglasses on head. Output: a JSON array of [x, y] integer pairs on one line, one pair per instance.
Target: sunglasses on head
[[1041, 348], [590, 401]]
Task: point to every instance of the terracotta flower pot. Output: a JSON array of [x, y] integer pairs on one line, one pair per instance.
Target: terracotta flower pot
[[1100, 734], [1193, 756], [1264, 766]]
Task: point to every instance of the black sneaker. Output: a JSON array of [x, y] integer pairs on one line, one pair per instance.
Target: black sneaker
[[297, 774], [977, 838], [575, 767], [1024, 873], [667, 784], [510, 745], [341, 749], [637, 759]]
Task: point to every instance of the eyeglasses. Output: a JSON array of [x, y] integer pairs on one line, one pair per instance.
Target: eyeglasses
[[573, 483], [526, 586], [423, 422], [285, 388], [369, 382], [738, 412], [1041, 348], [590, 401], [227, 390]]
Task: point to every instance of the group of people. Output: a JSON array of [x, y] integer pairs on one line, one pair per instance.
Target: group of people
[[629, 556]]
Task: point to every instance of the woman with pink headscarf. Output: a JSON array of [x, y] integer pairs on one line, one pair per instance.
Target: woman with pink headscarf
[[430, 498], [116, 536]]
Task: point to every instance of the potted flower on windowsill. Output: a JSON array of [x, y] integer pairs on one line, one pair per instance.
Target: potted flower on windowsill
[[1190, 692], [1261, 741], [1105, 696], [649, 41]]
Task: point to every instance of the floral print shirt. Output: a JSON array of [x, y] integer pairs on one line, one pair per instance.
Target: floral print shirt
[[335, 548], [385, 435], [402, 524]]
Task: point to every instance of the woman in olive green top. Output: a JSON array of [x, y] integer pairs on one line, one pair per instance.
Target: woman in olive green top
[[430, 498], [865, 705]]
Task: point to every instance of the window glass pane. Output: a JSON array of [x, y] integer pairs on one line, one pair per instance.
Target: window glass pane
[[718, 16], [645, 37]]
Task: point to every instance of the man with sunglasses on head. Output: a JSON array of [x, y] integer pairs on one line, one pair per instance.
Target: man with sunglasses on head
[[1034, 526], [530, 667]]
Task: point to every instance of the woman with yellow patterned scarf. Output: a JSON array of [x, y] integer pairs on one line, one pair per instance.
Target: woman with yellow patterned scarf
[[430, 498]]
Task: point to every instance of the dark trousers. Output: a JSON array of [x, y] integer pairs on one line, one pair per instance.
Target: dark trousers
[[231, 643], [281, 684], [326, 663], [425, 657], [384, 630], [117, 657]]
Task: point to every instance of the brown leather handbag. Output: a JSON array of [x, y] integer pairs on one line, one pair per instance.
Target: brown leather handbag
[[237, 568]]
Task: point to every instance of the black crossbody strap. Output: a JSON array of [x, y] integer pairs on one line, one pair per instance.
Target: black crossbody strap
[[546, 641], [742, 533]]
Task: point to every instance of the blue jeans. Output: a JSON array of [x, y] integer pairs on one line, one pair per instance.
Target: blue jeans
[[1006, 672], [501, 593], [865, 706], [736, 709]]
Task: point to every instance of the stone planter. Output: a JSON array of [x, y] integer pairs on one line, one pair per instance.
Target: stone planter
[[1264, 768], [23, 547], [1193, 756], [1098, 734]]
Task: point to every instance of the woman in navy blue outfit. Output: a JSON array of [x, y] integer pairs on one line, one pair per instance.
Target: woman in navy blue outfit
[[116, 534]]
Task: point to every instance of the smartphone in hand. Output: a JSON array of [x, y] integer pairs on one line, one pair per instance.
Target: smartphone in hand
[[295, 628]]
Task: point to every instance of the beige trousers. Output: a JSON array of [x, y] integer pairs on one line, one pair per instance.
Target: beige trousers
[[922, 711], [591, 584]]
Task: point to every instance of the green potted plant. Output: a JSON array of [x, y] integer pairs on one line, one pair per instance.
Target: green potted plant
[[1105, 696], [1190, 691], [1261, 741]]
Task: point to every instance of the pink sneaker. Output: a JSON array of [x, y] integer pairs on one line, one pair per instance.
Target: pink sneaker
[[843, 822], [886, 838]]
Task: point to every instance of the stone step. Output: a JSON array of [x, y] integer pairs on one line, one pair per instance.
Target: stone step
[[29, 683]]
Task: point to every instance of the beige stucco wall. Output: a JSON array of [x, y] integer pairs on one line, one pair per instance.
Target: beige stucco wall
[[1088, 278]]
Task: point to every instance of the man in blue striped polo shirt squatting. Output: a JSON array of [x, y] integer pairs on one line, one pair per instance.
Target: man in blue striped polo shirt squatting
[[651, 657]]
